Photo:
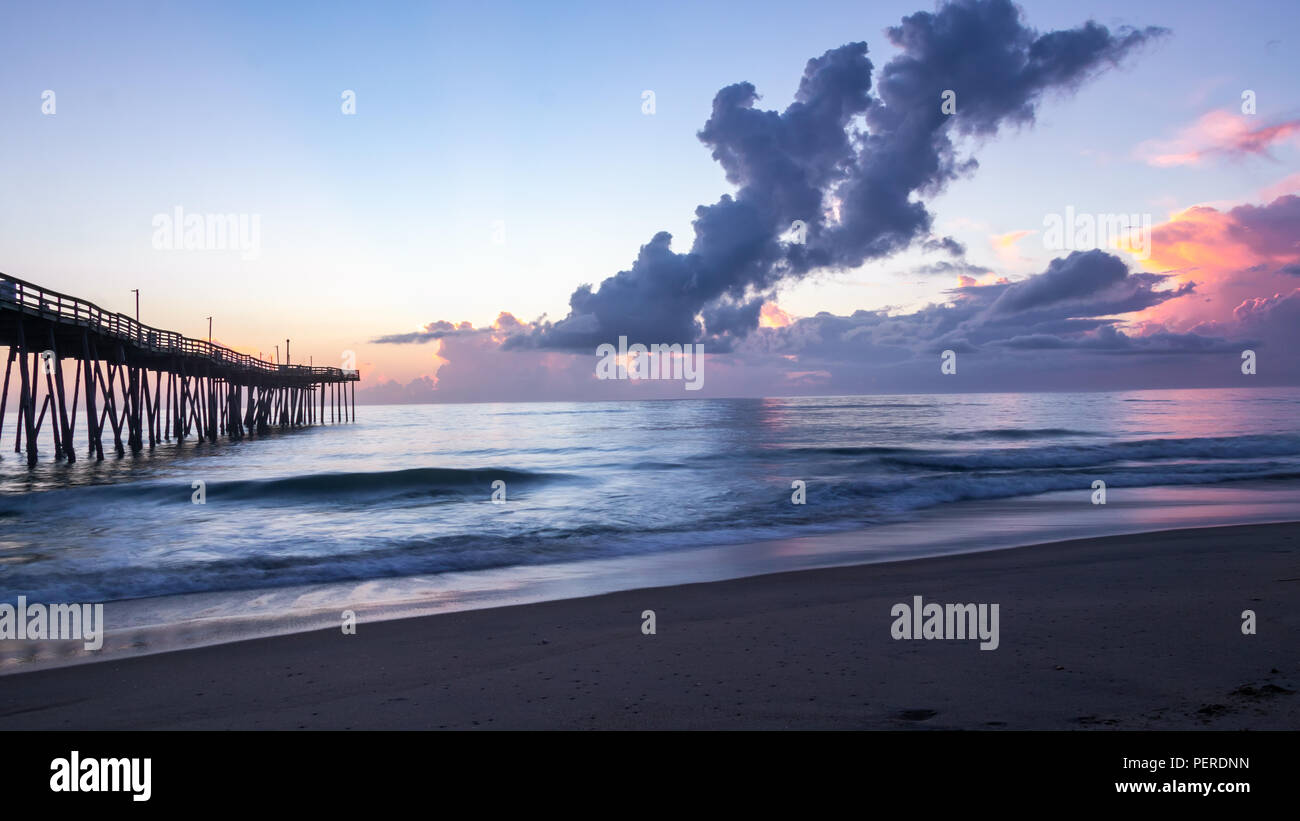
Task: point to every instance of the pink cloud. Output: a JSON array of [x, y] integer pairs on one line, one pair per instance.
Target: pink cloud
[[1232, 255], [1218, 132]]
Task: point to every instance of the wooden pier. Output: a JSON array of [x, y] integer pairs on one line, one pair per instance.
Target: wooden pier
[[196, 387]]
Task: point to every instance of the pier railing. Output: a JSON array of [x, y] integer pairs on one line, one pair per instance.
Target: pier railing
[[33, 300]]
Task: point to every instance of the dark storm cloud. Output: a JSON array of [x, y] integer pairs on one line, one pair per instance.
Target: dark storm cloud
[[1109, 339], [812, 159], [960, 268], [1076, 276], [1090, 283], [782, 164], [1269, 229], [1069, 305], [946, 244], [505, 324], [430, 332]]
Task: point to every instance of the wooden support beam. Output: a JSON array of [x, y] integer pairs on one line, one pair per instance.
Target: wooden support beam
[[212, 410], [76, 398], [167, 423], [47, 367], [148, 404], [130, 408], [192, 422], [110, 403], [157, 409], [69, 452], [181, 394], [4, 394], [27, 398], [96, 440]]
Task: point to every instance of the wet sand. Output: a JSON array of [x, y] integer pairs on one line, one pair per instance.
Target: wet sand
[[1125, 632]]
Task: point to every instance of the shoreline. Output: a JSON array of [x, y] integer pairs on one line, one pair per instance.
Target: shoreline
[[144, 626], [1126, 632]]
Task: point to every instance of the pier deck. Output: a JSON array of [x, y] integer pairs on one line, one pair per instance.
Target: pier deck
[[210, 390]]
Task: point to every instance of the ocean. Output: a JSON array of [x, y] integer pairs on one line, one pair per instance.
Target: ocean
[[610, 495]]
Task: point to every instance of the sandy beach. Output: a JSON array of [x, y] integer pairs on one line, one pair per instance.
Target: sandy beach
[[1129, 632]]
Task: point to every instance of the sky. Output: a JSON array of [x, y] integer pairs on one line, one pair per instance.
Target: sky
[[428, 186]]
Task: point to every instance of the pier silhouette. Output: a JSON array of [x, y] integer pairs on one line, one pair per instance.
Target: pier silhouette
[[210, 390]]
